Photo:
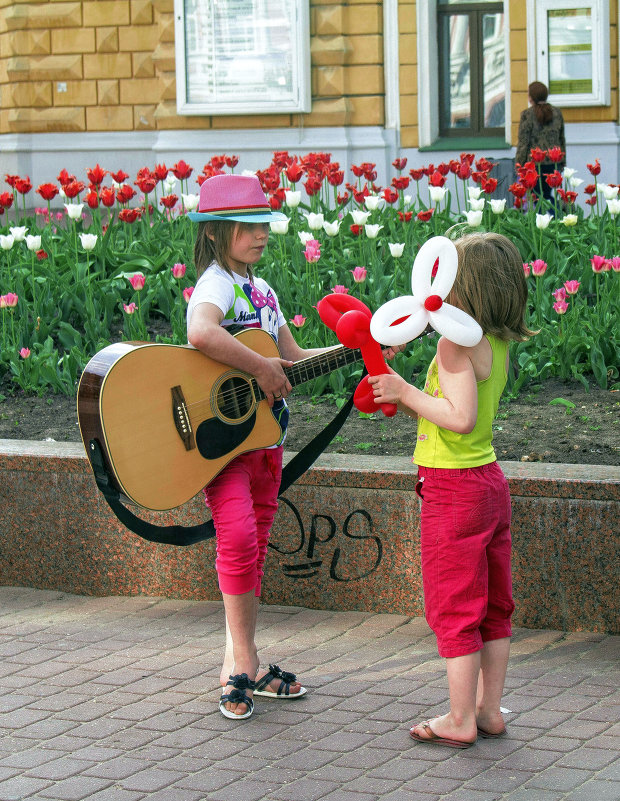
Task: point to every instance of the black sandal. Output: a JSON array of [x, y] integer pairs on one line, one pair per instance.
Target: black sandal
[[240, 684], [284, 690]]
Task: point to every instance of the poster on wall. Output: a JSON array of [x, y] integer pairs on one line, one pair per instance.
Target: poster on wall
[[570, 50]]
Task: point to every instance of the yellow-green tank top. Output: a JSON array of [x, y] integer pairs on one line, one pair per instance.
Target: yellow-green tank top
[[439, 447]]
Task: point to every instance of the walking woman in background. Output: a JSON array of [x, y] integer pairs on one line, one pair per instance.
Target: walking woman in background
[[541, 125]]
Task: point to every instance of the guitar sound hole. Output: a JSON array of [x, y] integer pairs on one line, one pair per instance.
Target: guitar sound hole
[[234, 398]]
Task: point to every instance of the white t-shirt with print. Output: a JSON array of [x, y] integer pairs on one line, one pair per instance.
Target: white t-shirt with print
[[251, 304]]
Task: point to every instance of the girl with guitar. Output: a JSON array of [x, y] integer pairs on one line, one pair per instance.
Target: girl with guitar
[[233, 227]]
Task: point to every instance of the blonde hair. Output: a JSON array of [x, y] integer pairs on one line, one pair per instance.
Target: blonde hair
[[490, 285], [213, 241]]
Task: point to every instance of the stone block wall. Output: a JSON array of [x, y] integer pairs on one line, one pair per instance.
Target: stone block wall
[[109, 65], [346, 537]]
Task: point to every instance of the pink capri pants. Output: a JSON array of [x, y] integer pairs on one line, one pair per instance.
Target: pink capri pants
[[465, 543], [244, 500]]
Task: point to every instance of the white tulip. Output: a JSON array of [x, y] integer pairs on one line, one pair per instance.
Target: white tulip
[[396, 249], [437, 193], [372, 231], [74, 210], [498, 205], [190, 202], [169, 183], [575, 182], [613, 206], [249, 172], [305, 236], [372, 202], [609, 192], [542, 221], [407, 200], [474, 218], [279, 226], [476, 205], [331, 228], [474, 192], [33, 242], [19, 233], [292, 199], [6, 241], [568, 173], [88, 241], [360, 217], [315, 221], [569, 220]]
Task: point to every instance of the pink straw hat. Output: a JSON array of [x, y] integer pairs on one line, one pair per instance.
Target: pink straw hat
[[234, 197]]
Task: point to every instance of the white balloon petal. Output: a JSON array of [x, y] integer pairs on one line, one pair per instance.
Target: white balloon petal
[[422, 283], [456, 325], [382, 328]]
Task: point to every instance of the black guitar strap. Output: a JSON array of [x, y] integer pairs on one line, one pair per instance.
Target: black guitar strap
[[188, 535]]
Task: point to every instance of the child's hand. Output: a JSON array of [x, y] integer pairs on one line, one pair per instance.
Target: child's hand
[[389, 351], [272, 379], [388, 388]]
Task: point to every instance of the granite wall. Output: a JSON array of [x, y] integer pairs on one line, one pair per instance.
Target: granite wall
[[346, 537]]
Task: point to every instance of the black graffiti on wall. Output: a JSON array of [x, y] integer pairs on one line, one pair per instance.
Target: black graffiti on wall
[[356, 527]]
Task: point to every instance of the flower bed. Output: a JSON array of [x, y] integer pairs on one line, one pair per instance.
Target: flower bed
[[73, 282]]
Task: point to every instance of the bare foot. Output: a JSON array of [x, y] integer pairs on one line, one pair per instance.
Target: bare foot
[[445, 727], [490, 723]]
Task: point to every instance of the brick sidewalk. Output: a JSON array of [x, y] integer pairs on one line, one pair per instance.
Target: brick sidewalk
[[115, 699]]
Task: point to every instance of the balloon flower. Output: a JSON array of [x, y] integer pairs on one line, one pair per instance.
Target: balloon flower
[[350, 319], [403, 319]]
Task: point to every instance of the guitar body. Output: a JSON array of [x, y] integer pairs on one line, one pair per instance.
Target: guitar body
[[168, 418]]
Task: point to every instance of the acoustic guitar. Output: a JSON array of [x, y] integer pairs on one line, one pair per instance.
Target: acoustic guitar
[[168, 418]]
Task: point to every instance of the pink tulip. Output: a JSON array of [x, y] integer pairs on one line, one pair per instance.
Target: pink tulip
[[571, 287], [298, 320], [560, 306], [10, 300], [137, 281], [187, 293], [598, 263], [312, 252], [129, 308], [340, 290], [559, 294], [526, 269], [178, 270], [539, 267], [615, 264], [24, 353], [359, 274]]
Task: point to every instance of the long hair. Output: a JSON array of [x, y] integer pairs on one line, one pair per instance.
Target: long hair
[[490, 285], [213, 241], [543, 110]]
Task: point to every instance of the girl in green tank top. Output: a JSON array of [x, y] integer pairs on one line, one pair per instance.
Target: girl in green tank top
[[465, 514]]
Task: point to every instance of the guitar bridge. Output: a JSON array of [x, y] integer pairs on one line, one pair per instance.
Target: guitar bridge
[[182, 422]]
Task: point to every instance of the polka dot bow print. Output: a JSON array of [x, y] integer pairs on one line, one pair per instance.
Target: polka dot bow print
[[402, 319]]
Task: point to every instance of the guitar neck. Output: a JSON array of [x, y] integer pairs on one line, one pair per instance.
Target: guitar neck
[[316, 366]]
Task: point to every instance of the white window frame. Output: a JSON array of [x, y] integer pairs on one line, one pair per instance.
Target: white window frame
[[538, 56], [300, 99], [428, 72]]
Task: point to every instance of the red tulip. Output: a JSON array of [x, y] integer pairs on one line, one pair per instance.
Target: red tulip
[[146, 184], [425, 216], [401, 182], [73, 188], [416, 174], [518, 190], [294, 172], [356, 230], [129, 215], [595, 168], [10, 179], [47, 191], [405, 216], [335, 177], [119, 177], [556, 154], [537, 154], [464, 170], [489, 185], [182, 170], [232, 161], [107, 196], [313, 185], [390, 195], [96, 175], [92, 199], [160, 172], [443, 168], [64, 178], [399, 164], [169, 201], [41, 255], [125, 194], [23, 185], [343, 198], [554, 179], [6, 200], [484, 165], [436, 179]]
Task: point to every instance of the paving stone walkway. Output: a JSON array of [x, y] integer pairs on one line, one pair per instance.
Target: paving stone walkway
[[115, 699]]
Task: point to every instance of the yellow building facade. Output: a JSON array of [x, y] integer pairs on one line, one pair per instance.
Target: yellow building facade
[[90, 80]]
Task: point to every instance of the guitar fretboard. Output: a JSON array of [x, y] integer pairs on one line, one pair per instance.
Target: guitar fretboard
[[315, 366]]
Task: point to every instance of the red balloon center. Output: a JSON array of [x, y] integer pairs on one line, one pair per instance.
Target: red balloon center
[[433, 303]]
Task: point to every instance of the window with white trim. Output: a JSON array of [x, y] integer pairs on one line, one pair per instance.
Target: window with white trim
[[572, 51], [242, 56]]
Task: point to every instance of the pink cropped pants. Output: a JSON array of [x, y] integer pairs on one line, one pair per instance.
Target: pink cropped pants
[[465, 543], [244, 500]]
